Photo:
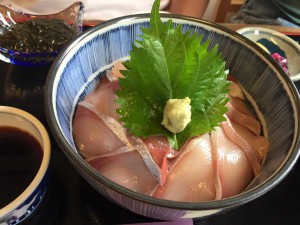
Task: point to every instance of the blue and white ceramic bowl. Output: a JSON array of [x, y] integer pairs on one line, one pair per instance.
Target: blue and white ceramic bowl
[[22, 206], [78, 68]]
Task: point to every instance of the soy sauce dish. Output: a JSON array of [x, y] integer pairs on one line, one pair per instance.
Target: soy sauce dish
[[79, 67], [24, 159]]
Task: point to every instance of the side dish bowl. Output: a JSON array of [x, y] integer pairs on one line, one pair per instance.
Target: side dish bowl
[[29, 199], [273, 40], [78, 68], [10, 18]]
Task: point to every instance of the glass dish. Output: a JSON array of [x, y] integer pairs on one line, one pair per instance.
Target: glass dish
[[42, 51]]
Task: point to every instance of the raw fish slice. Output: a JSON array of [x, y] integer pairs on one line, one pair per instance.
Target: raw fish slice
[[236, 91], [216, 165], [98, 135], [239, 141], [157, 163], [126, 169], [240, 105], [93, 137], [114, 73], [231, 78], [116, 69], [102, 98], [259, 144], [191, 177], [238, 110], [235, 170], [243, 119], [159, 148]]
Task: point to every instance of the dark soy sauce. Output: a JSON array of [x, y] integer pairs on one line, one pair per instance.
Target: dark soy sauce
[[20, 159]]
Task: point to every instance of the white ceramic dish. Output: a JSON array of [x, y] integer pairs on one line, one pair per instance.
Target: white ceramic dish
[[22, 206], [288, 45]]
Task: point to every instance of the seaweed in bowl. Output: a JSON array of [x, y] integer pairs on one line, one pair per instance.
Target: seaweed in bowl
[[82, 65], [37, 39], [37, 35]]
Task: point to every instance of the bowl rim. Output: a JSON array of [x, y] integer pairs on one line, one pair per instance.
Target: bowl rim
[[294, 45], [46, 146], [81, 164]]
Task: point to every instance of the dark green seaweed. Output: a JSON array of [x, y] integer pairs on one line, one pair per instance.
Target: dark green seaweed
[[37, 35]]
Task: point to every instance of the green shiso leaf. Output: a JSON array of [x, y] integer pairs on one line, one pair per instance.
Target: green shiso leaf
[[169, 64]]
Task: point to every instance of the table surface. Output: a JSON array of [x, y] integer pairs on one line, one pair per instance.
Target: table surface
[[69, 200]]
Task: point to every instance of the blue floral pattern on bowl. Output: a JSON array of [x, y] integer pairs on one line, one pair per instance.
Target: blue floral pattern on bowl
[[27, 207]]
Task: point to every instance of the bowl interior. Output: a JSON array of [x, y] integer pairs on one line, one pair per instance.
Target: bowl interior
[[286, 44], [78, 69]]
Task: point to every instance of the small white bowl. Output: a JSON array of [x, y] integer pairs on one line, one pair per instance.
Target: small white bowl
[[288, 45], [23, 205]]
